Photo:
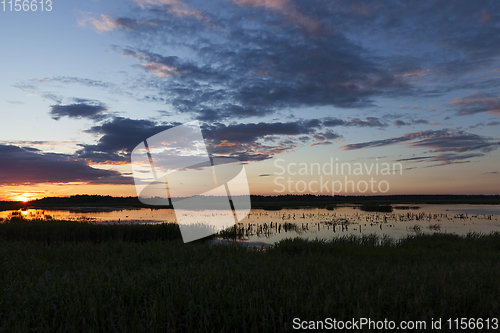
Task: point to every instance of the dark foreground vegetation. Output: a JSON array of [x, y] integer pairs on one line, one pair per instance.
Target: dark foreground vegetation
[[77, 277]]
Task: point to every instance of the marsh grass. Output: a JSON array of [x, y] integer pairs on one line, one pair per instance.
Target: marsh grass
[[48, 230], [147, 285]]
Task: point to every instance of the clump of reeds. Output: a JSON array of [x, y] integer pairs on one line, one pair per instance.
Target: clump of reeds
[[435, 227]]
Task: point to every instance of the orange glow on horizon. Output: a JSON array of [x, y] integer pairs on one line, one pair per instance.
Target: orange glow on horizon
[[23, 197]]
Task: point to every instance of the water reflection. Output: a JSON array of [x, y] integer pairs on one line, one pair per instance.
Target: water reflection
[[271, 226]]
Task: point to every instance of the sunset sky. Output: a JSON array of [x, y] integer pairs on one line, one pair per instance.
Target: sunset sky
[[272, 82]]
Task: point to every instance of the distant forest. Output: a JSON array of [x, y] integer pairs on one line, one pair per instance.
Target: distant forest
[[259, 201]]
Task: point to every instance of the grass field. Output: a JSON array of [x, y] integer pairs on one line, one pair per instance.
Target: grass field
[[74, 277]]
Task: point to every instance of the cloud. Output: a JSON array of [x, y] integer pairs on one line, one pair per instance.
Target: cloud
[[234, 64], [118, 137], [46, 146], [457, 142], [368, 122], [399, 122], [438, 141], [443, 159], [22, 166], [289, 11], [237, 71], [35, 86], [454, 36], [83, 108], [390, 141], [332, 122], [420, 121], [174, 7], [31, 89], [222, 60], [246, 133], [260, 141], [103, 24], [79, 80], [244, 141], [476, 104], [324, 138]]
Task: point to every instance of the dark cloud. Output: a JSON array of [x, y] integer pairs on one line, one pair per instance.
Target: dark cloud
[[250, 58], [248, 133], [223, 61], [420, 121], [415, 122], [457, 142], [257, 151], [390, 141], [418, 159], [368, 122], [332, 122], [401, 123], [246, 142], [259, 141], [476, 104], [250, 62], [325, 136], [454, 36], [443, 159], [83, 108], [439, 141], [22, 166], [118, 137]]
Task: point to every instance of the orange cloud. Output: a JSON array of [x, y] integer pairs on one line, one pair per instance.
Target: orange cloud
[[476, 104], [175, 7], [226, 143], [361, 10], [105, 24], [410, 74], [274, 4], [286, 9], [484, 16], [161, 70]]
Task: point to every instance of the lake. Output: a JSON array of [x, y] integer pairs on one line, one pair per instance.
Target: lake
[[271, 226]]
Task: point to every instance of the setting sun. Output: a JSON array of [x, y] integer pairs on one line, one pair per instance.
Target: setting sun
[[23, 198]]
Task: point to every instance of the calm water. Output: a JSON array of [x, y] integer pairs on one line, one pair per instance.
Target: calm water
[[271, 226]]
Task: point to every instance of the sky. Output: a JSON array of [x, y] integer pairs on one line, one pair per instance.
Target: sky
[[292, 89]]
